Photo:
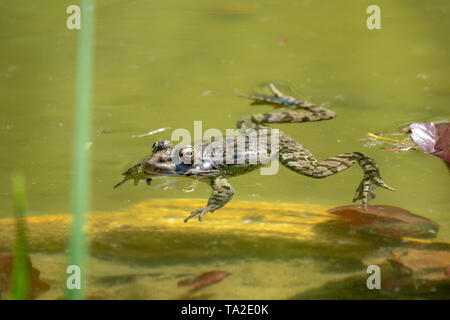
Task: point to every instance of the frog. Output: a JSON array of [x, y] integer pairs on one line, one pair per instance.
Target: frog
[[210, 167]]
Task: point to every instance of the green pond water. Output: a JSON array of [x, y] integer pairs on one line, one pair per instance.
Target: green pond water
[[169, 63]]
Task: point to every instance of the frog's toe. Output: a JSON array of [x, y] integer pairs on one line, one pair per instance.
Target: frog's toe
[[193, 214], [379, 182], [200, 212], [365, 192]]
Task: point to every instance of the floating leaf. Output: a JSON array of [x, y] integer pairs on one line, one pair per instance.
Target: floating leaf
[[432, 138], [443, 144], [203, 280]]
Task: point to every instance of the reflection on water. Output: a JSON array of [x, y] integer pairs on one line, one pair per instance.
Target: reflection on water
[[166, 64]]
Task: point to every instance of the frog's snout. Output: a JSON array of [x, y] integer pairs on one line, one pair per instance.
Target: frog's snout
[[152, 167], [147, 167]]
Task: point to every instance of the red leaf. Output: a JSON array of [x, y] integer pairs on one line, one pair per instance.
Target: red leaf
[[432, 138], [37, 286], [443, 144], [418, 261], [385, 221], [381, 213], [203, 280]]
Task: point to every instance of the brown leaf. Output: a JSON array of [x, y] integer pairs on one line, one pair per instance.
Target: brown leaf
[[37, 286], [385, 221], [429, 265], [420, 260], [203, 280], [380, 213]]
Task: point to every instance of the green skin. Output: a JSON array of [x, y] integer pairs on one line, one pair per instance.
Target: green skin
[[191, 161]]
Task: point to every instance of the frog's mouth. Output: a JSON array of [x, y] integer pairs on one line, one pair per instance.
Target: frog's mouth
[[158, 174], [182, 170], [152, 174]]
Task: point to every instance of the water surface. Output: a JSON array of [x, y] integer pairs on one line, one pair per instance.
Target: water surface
[[169, 63]]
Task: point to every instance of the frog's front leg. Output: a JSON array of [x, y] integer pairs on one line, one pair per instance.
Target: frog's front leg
[[221, 194]]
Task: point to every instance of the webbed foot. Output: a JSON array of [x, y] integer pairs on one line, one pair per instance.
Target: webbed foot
[[200, 212], [365, 190], [221, 194]]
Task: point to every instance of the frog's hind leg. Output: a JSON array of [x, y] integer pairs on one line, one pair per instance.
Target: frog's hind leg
[[295, 157], [221, 194], [259, 120]]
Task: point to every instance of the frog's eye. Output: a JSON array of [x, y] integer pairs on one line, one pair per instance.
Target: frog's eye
[[187, 155]]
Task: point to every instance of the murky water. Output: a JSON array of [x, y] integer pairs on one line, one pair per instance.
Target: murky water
[[169, 63]]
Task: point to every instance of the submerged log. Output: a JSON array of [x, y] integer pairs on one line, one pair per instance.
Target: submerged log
[[154, 232]]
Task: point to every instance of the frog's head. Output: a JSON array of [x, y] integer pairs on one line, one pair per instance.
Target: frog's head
[[167, 160]]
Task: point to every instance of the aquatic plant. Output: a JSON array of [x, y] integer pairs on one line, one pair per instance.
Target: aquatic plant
[[20, 279], [80, 188]]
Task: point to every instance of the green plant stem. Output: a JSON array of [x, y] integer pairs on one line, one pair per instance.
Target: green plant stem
[[20, 283], [80, 188]]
